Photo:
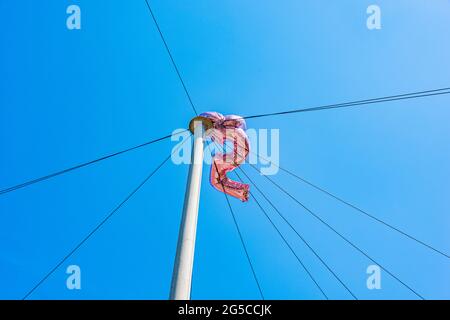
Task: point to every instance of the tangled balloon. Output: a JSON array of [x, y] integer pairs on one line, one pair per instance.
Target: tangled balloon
[[231, 128]]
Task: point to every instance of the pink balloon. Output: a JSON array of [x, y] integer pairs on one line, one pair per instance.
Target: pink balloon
[[230, 128]]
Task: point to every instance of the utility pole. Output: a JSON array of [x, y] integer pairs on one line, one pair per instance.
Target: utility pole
[[184, 259]]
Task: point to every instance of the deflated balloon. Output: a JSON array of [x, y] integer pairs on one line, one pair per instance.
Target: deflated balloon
[[231, 128]]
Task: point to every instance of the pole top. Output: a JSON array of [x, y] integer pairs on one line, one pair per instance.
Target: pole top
[[206, 122]]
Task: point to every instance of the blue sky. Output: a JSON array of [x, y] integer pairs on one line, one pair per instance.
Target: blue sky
[[71, 96]]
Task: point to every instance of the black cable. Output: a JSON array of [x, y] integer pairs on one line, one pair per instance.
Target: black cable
[[355, 207], [171, 57], [287, 243], [297, 233], [341, 236], [239, 233], [96, 228], [367, 214], [52, 175], [414, 95]]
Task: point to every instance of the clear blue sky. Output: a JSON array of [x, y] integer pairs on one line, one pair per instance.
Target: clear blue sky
[[71, 96]]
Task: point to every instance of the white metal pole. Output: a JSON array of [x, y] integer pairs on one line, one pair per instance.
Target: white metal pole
[[184, 260]]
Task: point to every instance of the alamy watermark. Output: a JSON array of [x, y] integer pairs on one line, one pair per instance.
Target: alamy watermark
[[374, 279], [73, 281], [261, 146], [73, 21], [373, 21]]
